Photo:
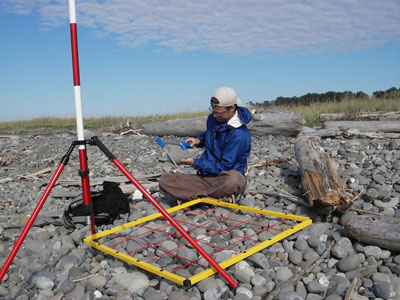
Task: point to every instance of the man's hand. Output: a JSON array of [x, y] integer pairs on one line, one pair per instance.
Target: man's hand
[[187, 161], [193, 142]]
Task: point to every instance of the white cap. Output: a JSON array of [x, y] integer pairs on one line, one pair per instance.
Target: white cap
[[225, 96]]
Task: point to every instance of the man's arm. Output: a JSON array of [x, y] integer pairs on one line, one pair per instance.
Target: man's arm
[[233, 151]]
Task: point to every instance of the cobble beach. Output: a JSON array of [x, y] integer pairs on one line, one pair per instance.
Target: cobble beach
[[54, 263]]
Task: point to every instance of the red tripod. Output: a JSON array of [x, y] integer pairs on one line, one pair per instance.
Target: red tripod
[[84, 173]]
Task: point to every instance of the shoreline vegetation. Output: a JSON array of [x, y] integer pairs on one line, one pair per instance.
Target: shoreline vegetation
[[311, 113], [387, 101], [108, 123]]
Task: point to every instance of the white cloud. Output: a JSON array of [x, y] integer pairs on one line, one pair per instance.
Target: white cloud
[[226, 26]]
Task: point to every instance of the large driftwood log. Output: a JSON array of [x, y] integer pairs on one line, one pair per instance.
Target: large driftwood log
[[381, 231], [320, 181], [178, 127], [366, 126], [275, 122], [366, 116], [347, 133]]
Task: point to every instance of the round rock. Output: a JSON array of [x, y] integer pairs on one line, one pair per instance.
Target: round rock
[[349, 263], [283, 274], [97, 281], [373, 251], [317, 229], [44, 283], [295, 257], [342, 248], [382, 290]]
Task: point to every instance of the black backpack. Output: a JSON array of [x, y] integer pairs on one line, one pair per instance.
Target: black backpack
[[108, 205]]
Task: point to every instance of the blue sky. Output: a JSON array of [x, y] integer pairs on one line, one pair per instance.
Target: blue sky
[[156, 57]]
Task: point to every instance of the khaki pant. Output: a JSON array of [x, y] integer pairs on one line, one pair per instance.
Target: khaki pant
[[189, 187]]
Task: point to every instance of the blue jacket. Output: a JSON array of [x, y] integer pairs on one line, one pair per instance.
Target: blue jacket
[[226, 148]]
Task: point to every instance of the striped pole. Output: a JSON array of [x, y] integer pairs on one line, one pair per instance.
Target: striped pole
[[84, 171], [75, 68]]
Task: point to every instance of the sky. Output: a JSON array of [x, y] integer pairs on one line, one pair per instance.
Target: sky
[[156, 57]]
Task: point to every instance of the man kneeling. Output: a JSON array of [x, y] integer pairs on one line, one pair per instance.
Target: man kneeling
[[221, 167]]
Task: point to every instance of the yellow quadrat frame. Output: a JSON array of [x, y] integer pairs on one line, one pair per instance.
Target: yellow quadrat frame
[[92, 240]]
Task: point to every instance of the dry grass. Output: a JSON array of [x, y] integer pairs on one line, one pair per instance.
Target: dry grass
[[311, 113], [105, 123]]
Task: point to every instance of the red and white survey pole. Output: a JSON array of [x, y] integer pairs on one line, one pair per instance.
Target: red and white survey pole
[[75, 68], [84, 170]]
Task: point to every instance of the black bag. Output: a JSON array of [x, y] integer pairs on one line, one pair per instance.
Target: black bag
[[107, 206]]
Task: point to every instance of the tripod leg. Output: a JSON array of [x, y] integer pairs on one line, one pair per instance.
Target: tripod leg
[[87, 198], [31, 220], [95, 140]]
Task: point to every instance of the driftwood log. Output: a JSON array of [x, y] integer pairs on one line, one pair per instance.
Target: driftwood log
[[321, 184], [381, 231], [347, 133], [365, 116], [366, 126], [274, 122], [178, 127]]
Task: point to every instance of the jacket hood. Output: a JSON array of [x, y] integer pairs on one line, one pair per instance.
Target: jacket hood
[[244, 114]]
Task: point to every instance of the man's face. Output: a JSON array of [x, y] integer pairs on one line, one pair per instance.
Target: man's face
[[223, 114]]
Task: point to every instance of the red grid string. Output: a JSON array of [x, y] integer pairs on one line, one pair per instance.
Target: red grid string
[[187, 221]]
